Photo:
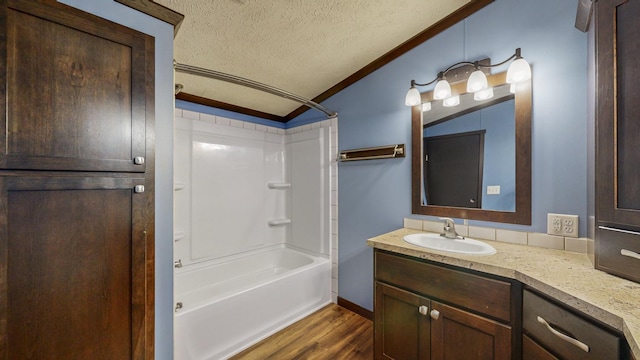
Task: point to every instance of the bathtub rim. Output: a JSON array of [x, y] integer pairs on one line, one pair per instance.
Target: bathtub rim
[[316, 261], [229, 258]]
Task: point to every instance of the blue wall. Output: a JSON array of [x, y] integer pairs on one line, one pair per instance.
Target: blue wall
[[163, 34], [374, 196]]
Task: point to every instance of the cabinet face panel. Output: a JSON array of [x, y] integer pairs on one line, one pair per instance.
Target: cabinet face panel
[[73, 264], [617, 137], [627, 114], [487, 296], [402, 332], [602, 344], [458, 334], [75, 93], [610, 249], [618, 112]]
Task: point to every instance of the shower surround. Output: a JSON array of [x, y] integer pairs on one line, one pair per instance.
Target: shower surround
[[255, 235]]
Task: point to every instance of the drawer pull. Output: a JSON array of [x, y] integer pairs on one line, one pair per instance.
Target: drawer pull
[[619, 230], [423, 310], [629, 253], [584, 347], [435, 314]]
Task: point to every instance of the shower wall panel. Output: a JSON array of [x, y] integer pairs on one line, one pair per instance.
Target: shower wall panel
[[310, 194], [222, 200]]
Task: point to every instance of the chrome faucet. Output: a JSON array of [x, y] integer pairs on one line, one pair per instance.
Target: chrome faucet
[[450, 229]]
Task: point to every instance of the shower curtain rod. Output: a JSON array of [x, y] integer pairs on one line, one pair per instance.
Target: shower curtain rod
[[212, 74]]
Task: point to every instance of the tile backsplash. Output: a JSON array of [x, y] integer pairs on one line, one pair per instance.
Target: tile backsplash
[[516, 237]]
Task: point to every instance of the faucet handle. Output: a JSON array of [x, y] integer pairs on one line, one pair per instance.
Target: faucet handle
[[449, 229], [447, 221]]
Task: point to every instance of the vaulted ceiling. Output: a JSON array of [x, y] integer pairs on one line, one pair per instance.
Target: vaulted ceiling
[[312, 48]]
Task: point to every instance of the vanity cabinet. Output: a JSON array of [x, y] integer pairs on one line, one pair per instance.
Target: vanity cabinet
[[550, 329], [427, 311], [617, 161]]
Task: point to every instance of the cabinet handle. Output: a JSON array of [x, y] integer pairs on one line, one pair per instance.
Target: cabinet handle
[[423, 310], [138, 160], [138, 189], [584, 347], [629, 253], [619, 230], [435, 314]]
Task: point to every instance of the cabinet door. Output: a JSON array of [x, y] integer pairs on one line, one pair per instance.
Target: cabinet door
[[457, 334], [617, 138], [76, 92], [401, 324], [74, 264], [531, 350]]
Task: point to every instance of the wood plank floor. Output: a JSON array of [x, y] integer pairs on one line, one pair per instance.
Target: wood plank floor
[[333, 332]]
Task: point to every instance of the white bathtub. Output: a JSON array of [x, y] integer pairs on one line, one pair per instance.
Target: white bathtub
[[228, 306]]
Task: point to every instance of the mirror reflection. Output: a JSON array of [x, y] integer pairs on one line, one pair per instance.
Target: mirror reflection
[[476, 161], [469, 153]]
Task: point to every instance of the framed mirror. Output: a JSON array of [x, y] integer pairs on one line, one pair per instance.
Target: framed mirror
[[473, 160]]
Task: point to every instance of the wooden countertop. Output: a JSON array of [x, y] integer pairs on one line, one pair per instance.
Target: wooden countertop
[[565, 276]]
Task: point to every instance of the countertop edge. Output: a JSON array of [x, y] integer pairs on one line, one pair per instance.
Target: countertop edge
[[475, 263]]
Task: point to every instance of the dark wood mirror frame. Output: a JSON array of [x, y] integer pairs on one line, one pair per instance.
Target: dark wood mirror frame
[[522, 213]]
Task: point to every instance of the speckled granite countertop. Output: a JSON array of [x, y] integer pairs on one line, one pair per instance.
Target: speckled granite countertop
[[566, 276]]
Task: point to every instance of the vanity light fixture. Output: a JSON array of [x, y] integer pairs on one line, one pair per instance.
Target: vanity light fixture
[[413, 95], [451, 101], [519, 70], [442, 89], [477, 80], [485, 94]]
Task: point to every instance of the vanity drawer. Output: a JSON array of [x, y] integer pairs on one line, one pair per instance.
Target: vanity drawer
[[618, 252], [567, 334], [484, 295]]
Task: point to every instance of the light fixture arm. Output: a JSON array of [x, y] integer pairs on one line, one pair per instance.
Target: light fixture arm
[[516, 55], [519, 70], [475, 64]]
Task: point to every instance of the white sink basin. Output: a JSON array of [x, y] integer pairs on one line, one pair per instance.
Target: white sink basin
[[440, 243]]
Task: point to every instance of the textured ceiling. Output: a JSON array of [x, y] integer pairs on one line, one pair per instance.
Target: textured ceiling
[[301, 46]]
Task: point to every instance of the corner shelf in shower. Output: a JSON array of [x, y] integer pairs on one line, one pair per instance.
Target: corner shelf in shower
[[279, 222], [278, 185]]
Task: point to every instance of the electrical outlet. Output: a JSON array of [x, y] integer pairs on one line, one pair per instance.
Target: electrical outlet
[[493, 190], [562, 225]]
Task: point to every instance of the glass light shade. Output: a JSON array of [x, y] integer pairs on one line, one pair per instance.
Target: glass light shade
[[483, 94], [477, 81], [426, 106], [451, 101], [413, 97], [519, 70], [442, 90]]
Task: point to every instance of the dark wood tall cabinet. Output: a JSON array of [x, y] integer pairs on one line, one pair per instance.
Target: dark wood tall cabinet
[[76, 185], [618, 138]]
